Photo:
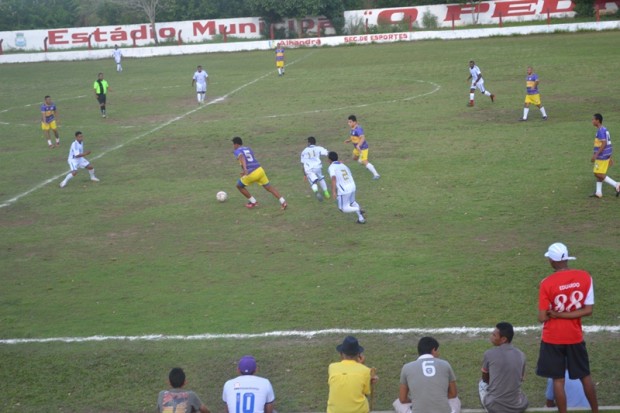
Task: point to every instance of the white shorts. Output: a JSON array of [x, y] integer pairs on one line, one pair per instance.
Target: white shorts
[[479, 86], [314, 175], [345, 200], [78, 163], [201, 88]]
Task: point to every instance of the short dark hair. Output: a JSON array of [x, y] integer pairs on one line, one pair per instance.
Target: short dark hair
[[311, 140], [353, 118], [332, 156], [426, 345], [46, 96], [77, 133], [505, 330], [176, 377], [237, 140], [598, 117]]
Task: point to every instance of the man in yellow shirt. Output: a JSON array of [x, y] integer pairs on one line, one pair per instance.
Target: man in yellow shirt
[[349, 380]]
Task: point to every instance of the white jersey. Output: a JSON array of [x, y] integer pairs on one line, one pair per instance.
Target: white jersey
[[311, 157], [117, 55], [475, 72], [344, 180], [201, 78], [76, 149], [247, 394]]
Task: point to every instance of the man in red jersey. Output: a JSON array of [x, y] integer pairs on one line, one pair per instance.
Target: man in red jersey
[[564, 297]]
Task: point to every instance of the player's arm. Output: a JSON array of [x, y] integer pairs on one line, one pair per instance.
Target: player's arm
[[543, 315], [485, 376], [204, 409], [600, 149], [360, 142], [452, 392], [243, 163], [269, 407], [43, 116], [334, 192], [56, 118], [403, 394], [585, 311], [193, 81]]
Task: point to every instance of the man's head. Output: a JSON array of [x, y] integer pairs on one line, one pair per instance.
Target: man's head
[[199, 68], [350, 347], [597, 119], [472, 64], [115, 46], [48, 100], [427, 345], [237, 141], [503, 333], [247, 365], [557, 253], [530, 70], [78, 136], [352, 121], [311, 140], [100, 76], [332, 156], [176, 377]]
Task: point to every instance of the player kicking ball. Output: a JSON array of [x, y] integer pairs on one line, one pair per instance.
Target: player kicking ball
[[77, 160]]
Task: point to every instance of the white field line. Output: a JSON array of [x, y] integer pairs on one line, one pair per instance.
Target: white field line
[[470, 331], [16, 198]]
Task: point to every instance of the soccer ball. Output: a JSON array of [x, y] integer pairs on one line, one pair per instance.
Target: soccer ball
[[221, 196]]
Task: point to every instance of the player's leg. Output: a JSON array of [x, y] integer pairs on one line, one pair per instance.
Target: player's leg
[[55, 130], [368, 165], [45, 127], [198, 91], [323, 185], [543, 112], [91, 172], [484, 91], [74, 168], [272, 189], [251, 200], [526, 108], [600, 173], [361, 219], [578, 364], [472, 95]]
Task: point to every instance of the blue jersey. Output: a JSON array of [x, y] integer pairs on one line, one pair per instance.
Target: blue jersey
[[250, 160], [530, 84], [356, 132], [280, 54], [48, 111], [602, 136]]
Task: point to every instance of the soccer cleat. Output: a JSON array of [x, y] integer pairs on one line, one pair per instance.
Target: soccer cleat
[[617, 190], [251, 205], [94, 179], [544, 118], [595, 195], [283, 206], [522, 119], [319, 196], [326, 195], [63, 184], [492, 97], [376, 177], [470, 104], [360, 221]]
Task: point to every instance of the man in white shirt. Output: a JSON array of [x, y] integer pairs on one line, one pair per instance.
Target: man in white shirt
[[77, 160], [200, 80], [313, 168], [117, 58], [477, 82], [343, 187], [248, 393]]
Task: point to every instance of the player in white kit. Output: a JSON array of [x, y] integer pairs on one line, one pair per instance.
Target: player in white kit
[[248, 393], [77, 160], [313, 168], [117, 58], [343, 187], [477, 82], [200, 80]]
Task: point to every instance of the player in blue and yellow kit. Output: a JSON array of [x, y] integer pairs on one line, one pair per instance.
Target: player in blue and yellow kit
[[360, 146], [252, 172], [49, 118], [280, 59], [532, 94], [601, 157]]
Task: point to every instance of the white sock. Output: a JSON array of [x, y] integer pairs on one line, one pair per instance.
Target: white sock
[[610, 181], [315, 187], [542, 110], [198, 97], [372, 169], [49, 142], [487, 93], [471, 96], [92, 172], [57, 140], [252, 200], [350, 208], [282, 200], [525, 112], [323, 185], [68, 177], [599, 188]]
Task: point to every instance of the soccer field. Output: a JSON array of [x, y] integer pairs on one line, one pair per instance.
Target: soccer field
[[468, 201]]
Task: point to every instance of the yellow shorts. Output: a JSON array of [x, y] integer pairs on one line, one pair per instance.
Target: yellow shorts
[[257, 176], [361, 155], [601, 166], [48, 126], [535, 99], [280, 63]]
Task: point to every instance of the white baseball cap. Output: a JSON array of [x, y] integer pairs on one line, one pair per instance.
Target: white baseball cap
[[558, 252]]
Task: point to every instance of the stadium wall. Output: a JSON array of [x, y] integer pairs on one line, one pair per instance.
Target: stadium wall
[[141, 52]]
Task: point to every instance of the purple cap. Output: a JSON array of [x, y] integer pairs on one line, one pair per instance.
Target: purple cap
[[247, 365]]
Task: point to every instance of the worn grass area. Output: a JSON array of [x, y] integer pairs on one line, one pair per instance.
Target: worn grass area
[[468, 201]]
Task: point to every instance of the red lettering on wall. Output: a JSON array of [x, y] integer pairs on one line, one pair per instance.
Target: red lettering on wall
[[251, 28], [208, 27], [56, 36], [397, 15], [515, 8], [79, 38], [455, 11], [553, 6]]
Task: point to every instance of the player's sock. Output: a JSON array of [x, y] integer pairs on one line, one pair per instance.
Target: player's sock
[[471, 97], [92, 172], [611, 181], [57, 141], [525, 112], [372, 169], [198, 97], [282, 200], [543, 111], [599, 188], [315, 188], [67, 179], [252, 200], [49, 142], [487, 93]]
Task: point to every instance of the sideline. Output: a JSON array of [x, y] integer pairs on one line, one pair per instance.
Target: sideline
[[472, 331], [16, 198]]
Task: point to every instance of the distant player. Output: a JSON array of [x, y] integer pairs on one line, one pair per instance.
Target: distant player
[[117, 58], [532, 94], [101, 92], [252, 172], [477, 82], [313, 168], [77, 160], [248, 393], [601, 157], [49, 118], [280, 59], [360, 145], [200, 79], [343, 187]]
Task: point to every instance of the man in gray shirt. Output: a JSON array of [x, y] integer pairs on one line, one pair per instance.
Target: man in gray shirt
[[427, 385], [503, 368]]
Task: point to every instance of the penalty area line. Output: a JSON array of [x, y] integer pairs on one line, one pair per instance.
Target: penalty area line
[[471, 331]]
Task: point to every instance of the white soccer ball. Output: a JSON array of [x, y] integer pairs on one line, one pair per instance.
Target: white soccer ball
[[221, 196]]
